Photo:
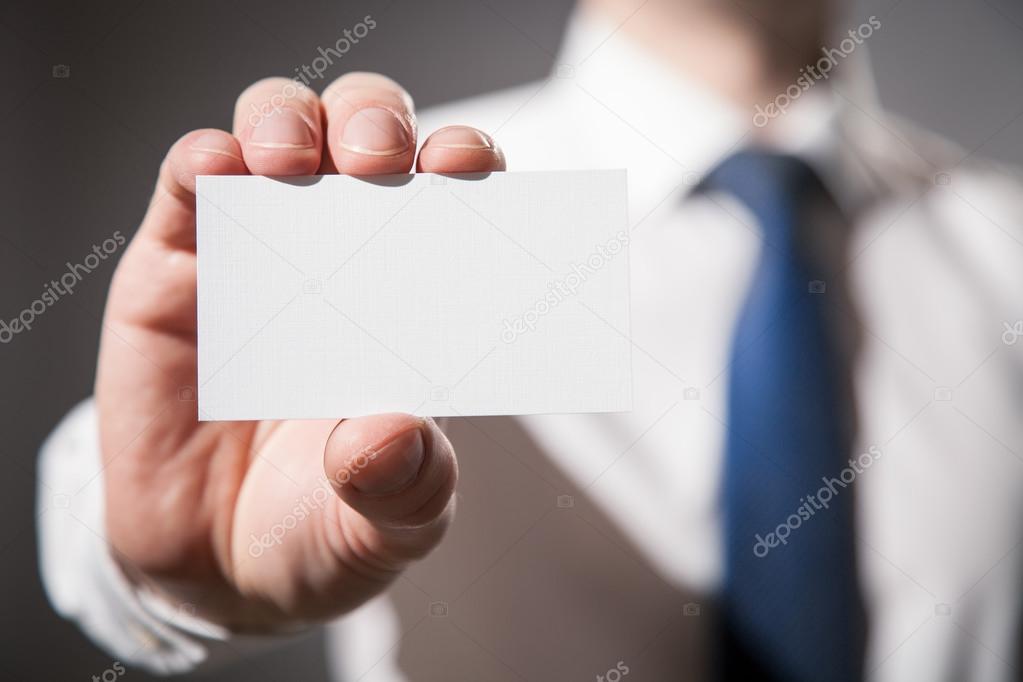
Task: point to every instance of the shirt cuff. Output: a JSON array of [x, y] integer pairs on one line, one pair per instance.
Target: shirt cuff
[[84, 583]]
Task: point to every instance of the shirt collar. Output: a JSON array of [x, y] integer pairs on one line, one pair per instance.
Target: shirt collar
[[696, 128]]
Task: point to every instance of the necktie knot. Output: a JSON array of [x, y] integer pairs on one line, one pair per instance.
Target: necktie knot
[[773, 186]]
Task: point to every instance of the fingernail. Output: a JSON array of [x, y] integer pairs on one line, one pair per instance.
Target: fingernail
[[213, 143], [282, 129], [376, 132], [392, 467], [460, 138]]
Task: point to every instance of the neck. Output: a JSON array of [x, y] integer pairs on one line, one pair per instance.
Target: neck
[[745, 51]]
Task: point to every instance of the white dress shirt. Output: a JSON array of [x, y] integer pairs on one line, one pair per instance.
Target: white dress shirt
[[590, 543]]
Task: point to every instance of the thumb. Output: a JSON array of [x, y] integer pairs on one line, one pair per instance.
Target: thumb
[[396, 475]]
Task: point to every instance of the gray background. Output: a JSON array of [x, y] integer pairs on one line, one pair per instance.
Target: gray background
[[81, 154]]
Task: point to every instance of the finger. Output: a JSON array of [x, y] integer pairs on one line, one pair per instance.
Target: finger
[[167, 230], [278, 121], [371, 125], [147, 351], [398, 473], [460, 149], [200, 152]]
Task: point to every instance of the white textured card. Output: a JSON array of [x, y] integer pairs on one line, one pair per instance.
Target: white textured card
[[334, 296]]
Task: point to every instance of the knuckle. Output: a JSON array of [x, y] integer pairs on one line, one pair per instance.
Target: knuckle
[[270, 95], [363, 86], [203, 152], [261, 88], [366, 78]]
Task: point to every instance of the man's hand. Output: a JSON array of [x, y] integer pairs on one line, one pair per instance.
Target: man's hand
[[259, 524]]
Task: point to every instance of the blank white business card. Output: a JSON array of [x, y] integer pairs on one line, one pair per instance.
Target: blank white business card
[[442, 295]]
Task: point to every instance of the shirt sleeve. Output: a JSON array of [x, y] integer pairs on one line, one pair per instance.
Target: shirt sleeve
[[84, 583]]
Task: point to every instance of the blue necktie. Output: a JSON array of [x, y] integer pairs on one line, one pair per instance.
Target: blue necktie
[[790, 605]]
